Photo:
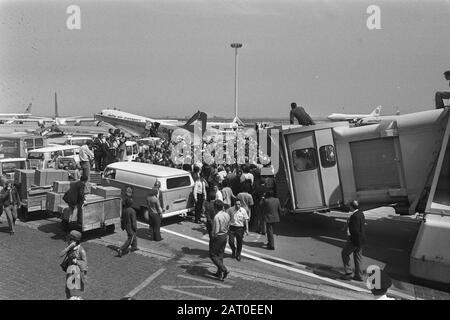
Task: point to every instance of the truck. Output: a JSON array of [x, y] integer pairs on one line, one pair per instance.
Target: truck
[[402, 162]]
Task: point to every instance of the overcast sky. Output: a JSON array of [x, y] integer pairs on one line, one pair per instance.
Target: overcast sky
[[173, 57]]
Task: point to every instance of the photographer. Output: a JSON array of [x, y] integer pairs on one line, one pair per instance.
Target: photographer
[[10, 199], [75, 266]]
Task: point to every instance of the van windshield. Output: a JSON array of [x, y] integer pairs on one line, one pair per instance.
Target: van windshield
[[178, 182], [36, 155], [69, 152]]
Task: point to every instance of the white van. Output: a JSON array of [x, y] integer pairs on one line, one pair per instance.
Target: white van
[[44, 158], [131, 151], [176, 185]]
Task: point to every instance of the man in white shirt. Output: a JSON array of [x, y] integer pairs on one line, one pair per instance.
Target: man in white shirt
[[218, 241], [218, 193], [86, 156], [238, 227], [199, 196]]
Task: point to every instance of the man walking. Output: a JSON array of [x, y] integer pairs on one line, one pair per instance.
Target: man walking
[[272, 211], [128, 223], [300, 114], [75, 197], [86, 156], [440, 96], [356, 238], [238, 227], [218, 240], [10, 200]]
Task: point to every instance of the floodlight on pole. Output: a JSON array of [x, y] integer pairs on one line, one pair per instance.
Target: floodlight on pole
[[236, 46]]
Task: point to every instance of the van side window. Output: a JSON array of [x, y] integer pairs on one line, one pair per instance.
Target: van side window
[[135, 149], [110, 174], [68, 152], [305, 159], [178, 182], [129, 151], [327, 156]]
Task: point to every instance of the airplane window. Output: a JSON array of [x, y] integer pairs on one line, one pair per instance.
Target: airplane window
[[305, 159], [327, 156]]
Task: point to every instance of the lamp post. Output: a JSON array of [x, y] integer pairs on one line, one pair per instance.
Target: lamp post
[[236, 119]]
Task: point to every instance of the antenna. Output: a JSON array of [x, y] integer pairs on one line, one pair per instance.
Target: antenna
[[56, 106]]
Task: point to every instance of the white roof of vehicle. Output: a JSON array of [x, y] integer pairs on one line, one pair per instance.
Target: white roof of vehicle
[[12, 159], [148, 169], [55, 148]]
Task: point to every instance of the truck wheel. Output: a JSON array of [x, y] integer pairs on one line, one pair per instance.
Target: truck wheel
[[110, 228]]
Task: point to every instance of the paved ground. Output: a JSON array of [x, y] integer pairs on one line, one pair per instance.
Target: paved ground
[[305, 265]]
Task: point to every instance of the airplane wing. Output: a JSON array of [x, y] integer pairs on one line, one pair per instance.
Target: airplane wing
[[10, 120]]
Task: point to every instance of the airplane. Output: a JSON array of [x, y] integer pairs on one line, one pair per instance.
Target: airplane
[[10, 117], [56, 119], [134, 125], [354, 117]]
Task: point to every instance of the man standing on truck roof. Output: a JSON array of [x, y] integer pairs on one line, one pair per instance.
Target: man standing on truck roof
[[301, 115], [86, 156], [440, 96]]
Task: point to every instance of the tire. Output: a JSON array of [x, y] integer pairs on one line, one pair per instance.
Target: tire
[[145, 215], [110, 228]]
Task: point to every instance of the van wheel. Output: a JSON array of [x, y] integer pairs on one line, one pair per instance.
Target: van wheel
[[145, 215]]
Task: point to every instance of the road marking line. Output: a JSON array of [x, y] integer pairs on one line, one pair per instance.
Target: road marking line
[[205, 237], [206, 281], [145, 283], [172, 288], [305, 273]]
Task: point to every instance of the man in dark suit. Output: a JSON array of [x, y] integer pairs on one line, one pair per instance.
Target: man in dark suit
[[271, 209], [75, 197], [128, 223], [356, 238], [10, 201]]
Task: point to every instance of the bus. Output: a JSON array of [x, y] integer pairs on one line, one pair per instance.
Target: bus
[[17, 145]]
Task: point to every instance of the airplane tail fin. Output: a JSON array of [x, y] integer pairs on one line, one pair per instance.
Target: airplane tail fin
[[56, 107], [28, 109], [199, 115], [376, 112]]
